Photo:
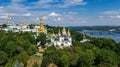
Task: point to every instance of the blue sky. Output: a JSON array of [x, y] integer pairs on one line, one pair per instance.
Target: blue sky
[[62, 12]]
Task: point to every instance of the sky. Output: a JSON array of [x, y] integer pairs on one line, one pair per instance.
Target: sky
[[62, 12]]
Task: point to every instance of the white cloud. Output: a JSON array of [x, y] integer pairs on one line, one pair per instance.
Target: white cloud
[[112, 12], [1, 7], [76, 2], [53, 14], [26, 14], [110, 15], [44, 18], [72, 12], [60, 3], [101, 17], [2, 17], [68, 3], [37, 18], [115, 17], [18, 10], [57, 19], [17, 1], [15, 14]]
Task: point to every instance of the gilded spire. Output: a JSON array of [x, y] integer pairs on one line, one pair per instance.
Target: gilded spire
[[53, 34], [41, 23], [68, 33], [41, 19], [59, 33], [42, 28], [64, 31]]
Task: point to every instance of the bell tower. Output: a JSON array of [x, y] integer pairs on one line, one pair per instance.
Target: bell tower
[[41, 29], [9, 21]]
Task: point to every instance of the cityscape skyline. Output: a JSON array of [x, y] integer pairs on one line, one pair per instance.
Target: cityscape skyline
[[62, 12]]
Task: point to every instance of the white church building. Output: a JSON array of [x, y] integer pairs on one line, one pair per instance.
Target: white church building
[[63, 39]]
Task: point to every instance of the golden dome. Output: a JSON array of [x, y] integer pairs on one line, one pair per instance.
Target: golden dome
[[68, 33], [41, 28]]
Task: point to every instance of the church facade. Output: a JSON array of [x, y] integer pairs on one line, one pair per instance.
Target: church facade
[[63, 38]]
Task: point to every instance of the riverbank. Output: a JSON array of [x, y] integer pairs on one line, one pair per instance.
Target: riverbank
[[104, 34]]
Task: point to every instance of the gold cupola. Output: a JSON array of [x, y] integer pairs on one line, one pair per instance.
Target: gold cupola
[[68, 33], [42, 29], [64, 31], [59, 33]]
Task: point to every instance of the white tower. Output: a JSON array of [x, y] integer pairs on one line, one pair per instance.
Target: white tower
[[9, 21]]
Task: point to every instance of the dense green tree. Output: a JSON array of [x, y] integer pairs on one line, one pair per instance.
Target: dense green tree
[[32, 26], [99, 52], [4, 26], [42, 39], [104, 43], [3, 57], [11, 48], [108, 58], [10, 63], [32, 50], [73, 54], [86, 59], [23, 57], [16, 46], [64, 61], [52, 55]]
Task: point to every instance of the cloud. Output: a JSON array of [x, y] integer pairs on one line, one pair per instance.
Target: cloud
[[15, 14], [70, 12], [101, 17], [44, 18], [115, 17], [1, 7], [53, 14], [26, 14], [57, 3], [53, 17], [111, 12], [74, 2], [3, 17], [46, 9], [58, 19], [110, 15]]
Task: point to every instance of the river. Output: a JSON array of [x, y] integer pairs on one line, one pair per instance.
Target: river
[[104, 34]]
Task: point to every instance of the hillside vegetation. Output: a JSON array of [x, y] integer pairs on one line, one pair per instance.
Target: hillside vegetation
[[17, 49]]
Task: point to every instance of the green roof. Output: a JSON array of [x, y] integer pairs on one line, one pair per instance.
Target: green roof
[[8, 24]]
